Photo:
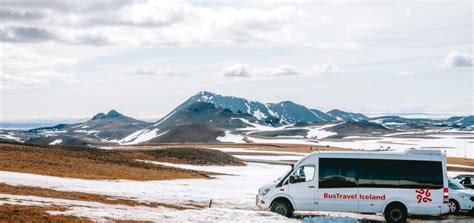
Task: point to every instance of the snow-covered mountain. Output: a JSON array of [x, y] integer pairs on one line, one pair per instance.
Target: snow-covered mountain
[[286, 112], [290, 112], [196, 115], [207, 117], [236, 105]]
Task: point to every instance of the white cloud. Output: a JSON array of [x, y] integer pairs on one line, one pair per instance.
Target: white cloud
[[21, 59], [8, 81], [157, 22], [25, 34], [458, 59], [327, 68], [283, 70], [152, 71], [238, 70], [244, 70], [23, 68], [169, 23]]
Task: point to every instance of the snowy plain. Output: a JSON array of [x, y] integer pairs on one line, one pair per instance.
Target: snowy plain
[[233, 194], [104, 212], [236, 190]]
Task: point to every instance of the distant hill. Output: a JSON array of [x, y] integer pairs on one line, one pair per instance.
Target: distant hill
[[347, 116], [462, 121], [360, 128], [102, 128]]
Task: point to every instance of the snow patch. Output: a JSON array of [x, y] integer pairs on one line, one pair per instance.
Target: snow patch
[[320, 133], [229, 137], [88, 132], [10, 136], [56, 142], [140, 136], [226, 191], [52, 132], [105, 212], [259, 115]]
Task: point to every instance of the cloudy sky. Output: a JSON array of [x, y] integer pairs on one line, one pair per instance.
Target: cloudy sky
[[143, 58]]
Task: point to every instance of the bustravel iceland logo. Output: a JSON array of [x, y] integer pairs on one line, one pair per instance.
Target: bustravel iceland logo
[[354, 196]]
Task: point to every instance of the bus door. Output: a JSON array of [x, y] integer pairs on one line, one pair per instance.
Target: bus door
[[302, 187]]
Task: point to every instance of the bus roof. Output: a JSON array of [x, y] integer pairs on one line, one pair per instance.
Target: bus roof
[[412, 154]]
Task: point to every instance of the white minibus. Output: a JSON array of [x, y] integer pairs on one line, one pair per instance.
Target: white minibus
[[396, 184]]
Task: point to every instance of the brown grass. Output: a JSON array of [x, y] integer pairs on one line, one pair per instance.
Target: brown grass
[[265, 147], [24, 213], [196, 156], [460, 169], [461, 161], [84, 163], [184, 155], [276, 147], [43, 192]]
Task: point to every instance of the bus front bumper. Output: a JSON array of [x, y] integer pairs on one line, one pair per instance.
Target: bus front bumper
[[261, 202]]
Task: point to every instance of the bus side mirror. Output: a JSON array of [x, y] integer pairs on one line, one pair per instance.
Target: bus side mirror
[[292, 179]]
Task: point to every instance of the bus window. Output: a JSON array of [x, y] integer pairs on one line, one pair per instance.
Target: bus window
[[337, 173], [400, 174], [303, 174]]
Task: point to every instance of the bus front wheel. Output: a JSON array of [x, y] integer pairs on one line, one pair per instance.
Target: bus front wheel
[[282, 207]]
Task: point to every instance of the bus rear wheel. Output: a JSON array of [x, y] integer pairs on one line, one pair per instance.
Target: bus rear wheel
[[396, 213]]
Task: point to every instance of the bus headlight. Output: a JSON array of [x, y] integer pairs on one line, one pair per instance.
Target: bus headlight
[[265, 191]]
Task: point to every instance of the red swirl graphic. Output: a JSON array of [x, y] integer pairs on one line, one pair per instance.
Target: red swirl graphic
[[423, 195]]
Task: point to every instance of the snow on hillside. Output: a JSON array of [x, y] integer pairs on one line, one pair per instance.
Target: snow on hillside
[[320, 133], [10, 136], [229, 137], [56, 142], [455, 146], [282, 141], [140, 136]]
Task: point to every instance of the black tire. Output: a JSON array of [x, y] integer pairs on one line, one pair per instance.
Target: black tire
[[395, 213], [282, 208], [453, 206]]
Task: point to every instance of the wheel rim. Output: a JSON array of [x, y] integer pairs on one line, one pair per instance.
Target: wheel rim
[[396, 215], [280, 210], [452, 207]]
